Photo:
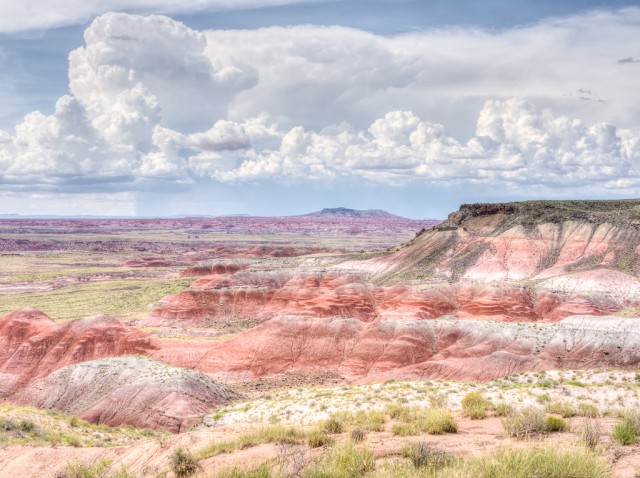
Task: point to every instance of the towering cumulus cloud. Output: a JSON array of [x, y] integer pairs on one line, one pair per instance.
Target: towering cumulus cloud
[[152, 102]]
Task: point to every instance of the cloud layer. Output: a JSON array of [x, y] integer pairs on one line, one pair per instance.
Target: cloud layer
[[18, 16], [153, 104]]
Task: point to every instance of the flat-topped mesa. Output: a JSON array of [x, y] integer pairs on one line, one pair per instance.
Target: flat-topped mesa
[[353, 213], [624, 212], [575, 246]]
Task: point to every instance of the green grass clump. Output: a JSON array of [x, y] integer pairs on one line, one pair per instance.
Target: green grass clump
[[372, 421], [99, 469], [269, 434], [403, 429], [564, 409], [333, 426], [318, 438], [554, 424], [532, 462], [503, 409], [475, 406], [261, 472], [346, 461], [625, 433], [587, 410], [436, 421], [523, 423], [22, 425]]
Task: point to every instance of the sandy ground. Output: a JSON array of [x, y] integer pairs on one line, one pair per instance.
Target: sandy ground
[[151, 458]]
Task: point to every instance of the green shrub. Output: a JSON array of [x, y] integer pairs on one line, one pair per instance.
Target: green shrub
[[625, 432], [183, 463], [475, 406], [554, 424], [523, 423]]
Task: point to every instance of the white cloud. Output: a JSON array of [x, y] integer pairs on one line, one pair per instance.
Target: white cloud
[[514, 144], [153, 102]]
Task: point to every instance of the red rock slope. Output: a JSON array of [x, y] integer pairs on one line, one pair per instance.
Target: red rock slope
[[403, 349], [576, 246], [32, 345]]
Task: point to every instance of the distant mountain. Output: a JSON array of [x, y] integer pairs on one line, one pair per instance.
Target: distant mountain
[[356, 213]]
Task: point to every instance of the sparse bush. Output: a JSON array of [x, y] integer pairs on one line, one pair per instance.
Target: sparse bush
[[554, 424], [438, 400], [183, 463], [475, 406], [523, 423], [591, 433], [423, 456], [358, 434], [318, 438]]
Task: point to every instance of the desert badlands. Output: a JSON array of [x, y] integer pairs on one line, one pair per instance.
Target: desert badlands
[[342, 343]]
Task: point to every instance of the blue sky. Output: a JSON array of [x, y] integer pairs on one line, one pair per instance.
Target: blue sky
[[287, 107]]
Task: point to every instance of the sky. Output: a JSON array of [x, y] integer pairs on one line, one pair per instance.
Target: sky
[[280, 107]]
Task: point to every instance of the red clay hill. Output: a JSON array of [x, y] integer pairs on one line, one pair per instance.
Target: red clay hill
[[495, 289]]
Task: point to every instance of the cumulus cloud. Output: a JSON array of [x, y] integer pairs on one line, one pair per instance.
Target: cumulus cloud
[[514, 144], [152, 102]]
